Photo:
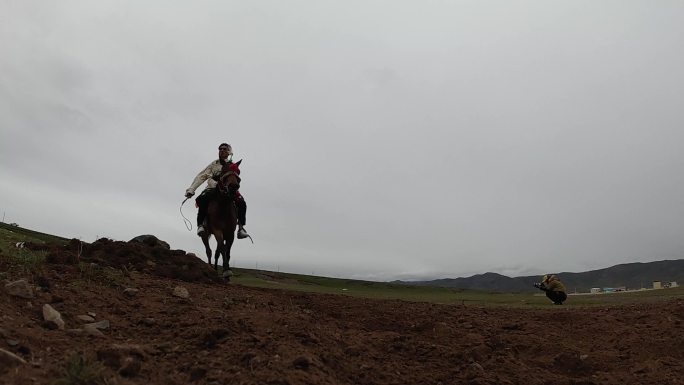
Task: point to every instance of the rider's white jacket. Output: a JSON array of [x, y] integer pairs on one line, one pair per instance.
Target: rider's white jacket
[[212, 169]]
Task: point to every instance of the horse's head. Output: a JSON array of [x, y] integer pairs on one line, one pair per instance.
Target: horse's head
[[229, 180]]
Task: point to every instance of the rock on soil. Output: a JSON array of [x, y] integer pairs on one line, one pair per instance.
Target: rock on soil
[[52, 317], [92, 331], [101, 325], [130, 292], [85, 318], [181, 292], [150, 240], [19, 288]]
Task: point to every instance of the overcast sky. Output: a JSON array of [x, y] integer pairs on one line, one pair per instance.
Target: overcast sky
[[381, 139]]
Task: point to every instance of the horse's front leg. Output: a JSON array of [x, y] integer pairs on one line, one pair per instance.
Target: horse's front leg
[[207, 249], [230, 237], [219, 249]]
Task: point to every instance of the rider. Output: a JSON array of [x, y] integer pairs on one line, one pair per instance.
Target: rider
[[225, 156]]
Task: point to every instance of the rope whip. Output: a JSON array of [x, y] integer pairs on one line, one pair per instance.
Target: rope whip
[[186, 222]]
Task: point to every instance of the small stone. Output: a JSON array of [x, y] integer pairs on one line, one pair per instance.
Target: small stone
[[52, 316], [85, 318], [90, 313], [102, 325], [474, 370], [91, 330], [130, 292], [301, 363], [20, 288], [584, 357], [148, 321], [181, 292], [12, 342]]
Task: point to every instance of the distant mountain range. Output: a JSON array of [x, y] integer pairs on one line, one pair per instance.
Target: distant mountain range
[[629, 275]]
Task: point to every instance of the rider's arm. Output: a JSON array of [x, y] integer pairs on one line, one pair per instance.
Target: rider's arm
[[200, 178]]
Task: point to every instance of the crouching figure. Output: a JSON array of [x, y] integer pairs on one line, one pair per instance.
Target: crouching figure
[[553, 287]]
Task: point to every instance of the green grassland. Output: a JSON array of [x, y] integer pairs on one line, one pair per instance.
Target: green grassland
[[383, 290], [10, 233], [17, 260]]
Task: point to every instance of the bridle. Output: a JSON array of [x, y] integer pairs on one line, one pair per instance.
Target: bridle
[[222, 181]]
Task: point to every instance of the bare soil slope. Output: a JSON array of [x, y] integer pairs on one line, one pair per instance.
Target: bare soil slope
[[224, 333]]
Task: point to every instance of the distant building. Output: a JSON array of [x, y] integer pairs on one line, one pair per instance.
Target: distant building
[[657, 285], [595, 290], [673, 284]]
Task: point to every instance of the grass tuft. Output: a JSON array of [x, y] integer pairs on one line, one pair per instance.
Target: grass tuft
[[82, 371], [23, 261], [108, 276]]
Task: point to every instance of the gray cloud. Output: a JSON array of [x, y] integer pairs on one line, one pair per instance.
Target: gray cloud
[[381, 139]]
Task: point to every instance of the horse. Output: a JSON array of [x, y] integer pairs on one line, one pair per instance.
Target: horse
[[222, 216]]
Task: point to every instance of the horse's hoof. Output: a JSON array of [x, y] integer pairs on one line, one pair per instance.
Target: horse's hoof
[[227, 274]]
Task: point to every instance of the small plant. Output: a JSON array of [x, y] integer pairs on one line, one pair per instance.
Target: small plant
[[81, 371], [108, 276], [87, 270], [24, 261], [113, 277]]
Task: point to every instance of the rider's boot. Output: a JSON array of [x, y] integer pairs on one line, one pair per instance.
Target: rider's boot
[[241, 206], [200, 221]]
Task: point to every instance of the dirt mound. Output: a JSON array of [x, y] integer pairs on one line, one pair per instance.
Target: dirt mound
[[143, 254]]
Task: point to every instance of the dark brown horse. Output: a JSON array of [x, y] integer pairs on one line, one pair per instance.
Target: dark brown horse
[[222, 216]]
